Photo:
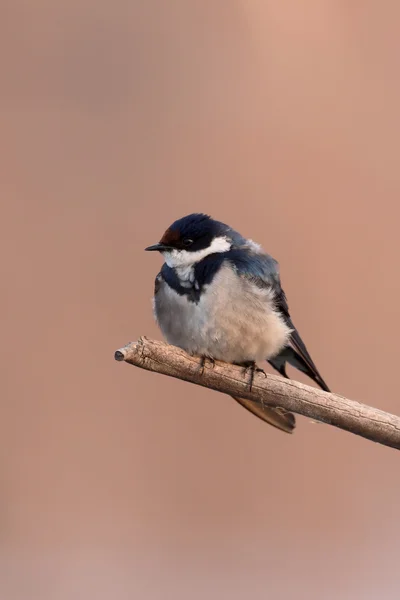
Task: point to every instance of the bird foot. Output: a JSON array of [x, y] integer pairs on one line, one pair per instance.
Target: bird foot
[[203, 362], [252, 367]]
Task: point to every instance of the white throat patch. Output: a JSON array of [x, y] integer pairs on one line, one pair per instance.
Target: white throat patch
[[183, 261]]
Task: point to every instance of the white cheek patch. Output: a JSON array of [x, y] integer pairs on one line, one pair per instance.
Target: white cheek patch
[[183, 261], [184, 258]]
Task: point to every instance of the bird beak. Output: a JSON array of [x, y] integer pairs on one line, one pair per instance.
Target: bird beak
[[157, 248]]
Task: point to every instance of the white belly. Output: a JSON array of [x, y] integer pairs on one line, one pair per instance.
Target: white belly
[[233, 321]]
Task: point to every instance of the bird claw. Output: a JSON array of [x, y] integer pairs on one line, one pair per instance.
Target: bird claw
[[252, 367], [203, 362]]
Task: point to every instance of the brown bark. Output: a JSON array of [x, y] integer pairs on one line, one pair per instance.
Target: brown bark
[[272, 390]]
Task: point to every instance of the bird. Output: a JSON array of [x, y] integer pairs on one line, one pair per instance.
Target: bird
[[218, 295]]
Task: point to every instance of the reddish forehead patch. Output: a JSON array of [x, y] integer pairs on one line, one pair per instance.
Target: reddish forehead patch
[[169, 237]]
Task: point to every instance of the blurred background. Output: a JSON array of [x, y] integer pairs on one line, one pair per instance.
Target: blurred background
[[282, 119]]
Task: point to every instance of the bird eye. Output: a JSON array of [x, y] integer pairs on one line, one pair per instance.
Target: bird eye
[[187, 242]]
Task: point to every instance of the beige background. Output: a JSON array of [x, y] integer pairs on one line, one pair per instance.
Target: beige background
[[281, 118]]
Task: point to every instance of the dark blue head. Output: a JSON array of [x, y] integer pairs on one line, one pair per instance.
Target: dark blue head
[[192, 233]]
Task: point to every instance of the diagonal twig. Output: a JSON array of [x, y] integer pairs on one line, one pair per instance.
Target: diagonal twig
[[352, 416]]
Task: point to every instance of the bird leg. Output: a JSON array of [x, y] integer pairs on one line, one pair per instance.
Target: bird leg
[[203, 362], [252, 367]]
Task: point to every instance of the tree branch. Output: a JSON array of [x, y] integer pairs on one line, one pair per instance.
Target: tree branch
[[267, 389]]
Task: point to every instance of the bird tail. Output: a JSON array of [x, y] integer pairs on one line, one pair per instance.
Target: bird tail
[[296, 355], [277, 417], [302, 362]]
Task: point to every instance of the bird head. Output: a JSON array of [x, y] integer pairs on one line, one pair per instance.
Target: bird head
[[190, 239]]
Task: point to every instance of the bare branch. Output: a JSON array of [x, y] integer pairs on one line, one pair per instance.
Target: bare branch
[[272, 390]]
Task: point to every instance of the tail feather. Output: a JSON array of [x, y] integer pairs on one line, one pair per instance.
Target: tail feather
[[296, 355], [302, 362], [277, 417]]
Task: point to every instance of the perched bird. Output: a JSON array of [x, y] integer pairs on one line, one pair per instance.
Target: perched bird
[[219, 296]]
